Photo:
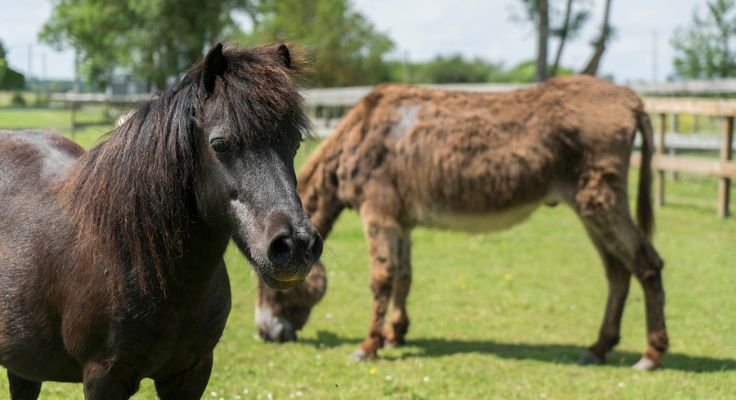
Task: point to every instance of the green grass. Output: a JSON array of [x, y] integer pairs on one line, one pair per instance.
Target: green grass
[[502, 315], [59, 120]]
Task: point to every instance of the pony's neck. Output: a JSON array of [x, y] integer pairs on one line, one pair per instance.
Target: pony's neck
[[130, 198], [318, 188]]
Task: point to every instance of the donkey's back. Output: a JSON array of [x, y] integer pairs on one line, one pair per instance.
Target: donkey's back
[[483, 161]]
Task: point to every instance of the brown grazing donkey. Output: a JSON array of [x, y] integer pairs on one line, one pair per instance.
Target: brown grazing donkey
[[407, 156], [111, 261]]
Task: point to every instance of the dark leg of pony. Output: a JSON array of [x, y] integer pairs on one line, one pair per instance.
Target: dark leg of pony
[[619, 280], [22, 388], [189, 384], [399, 323], [384, 240], [602, 204], [103, 382]]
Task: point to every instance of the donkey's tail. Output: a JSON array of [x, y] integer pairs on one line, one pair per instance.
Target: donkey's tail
[[644, 210]]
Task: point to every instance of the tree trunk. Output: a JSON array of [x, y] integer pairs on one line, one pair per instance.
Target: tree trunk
[[563, 37], [599, 45], [542, 36]]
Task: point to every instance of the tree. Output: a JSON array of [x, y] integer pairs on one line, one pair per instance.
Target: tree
[[599, 45], [542, 40], [150, 40], [562, 23], [9, 78], [3, 63], [343, 47], [704, 49]]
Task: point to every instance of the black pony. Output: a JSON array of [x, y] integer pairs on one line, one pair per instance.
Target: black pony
[[111, 264]]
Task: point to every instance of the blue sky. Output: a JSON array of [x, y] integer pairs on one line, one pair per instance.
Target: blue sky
[[424, 28]]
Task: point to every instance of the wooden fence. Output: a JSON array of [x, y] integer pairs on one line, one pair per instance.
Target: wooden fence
[[724, 168]]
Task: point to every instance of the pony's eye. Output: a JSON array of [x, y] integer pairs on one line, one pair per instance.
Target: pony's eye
[[220, 145]]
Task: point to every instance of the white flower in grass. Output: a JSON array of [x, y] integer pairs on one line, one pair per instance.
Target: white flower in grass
[[621, 384], [388, 377], [213, 393], [426, 379]]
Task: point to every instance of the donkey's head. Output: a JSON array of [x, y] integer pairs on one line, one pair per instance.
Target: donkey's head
[[281, 313], [251, 121]]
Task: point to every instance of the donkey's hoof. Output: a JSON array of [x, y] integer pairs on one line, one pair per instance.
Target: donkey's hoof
[[588, 358], [361, 355], [646, 364]]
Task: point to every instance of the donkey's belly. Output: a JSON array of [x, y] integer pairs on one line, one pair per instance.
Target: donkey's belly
[[477, 222]]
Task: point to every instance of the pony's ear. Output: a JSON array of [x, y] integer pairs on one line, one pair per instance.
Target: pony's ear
[[214, 66], [283, 54]]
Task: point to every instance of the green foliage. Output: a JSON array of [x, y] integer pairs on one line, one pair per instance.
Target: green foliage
[[10, 79], [3, 62], [452, 69], [524, 71], [457, 69], [149, 40], [343, 47], [705, 48]]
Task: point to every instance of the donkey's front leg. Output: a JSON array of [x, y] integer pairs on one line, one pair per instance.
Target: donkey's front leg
[[384, 240]]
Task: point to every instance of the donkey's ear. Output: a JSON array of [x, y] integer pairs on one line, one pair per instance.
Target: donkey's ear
[[284, 56], [214, 66]]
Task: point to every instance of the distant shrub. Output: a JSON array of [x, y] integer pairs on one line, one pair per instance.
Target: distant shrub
[[18, 100], [41, 100]]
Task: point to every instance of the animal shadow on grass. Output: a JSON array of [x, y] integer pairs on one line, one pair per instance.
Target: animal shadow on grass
[[551, 353]]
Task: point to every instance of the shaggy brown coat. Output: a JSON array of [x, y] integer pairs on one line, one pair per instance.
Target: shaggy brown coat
[[407, 156]]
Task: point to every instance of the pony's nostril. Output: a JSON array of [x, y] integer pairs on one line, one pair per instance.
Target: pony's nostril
[[280, 250], [315, 246]]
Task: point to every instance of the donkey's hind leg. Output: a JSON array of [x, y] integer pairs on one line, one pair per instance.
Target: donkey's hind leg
[[22, 388], [399, 323], [384, 239], [619, 280], [603, 207]]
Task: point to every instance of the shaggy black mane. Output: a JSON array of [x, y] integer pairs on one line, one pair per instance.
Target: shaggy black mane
[[131, 196]]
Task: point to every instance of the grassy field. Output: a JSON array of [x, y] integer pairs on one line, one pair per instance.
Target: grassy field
[[502, 315]]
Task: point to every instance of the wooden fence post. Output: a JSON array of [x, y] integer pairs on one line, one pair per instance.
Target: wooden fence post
[[73, 115], [695, 123], [675, 122], [659, 153], [724, 184]]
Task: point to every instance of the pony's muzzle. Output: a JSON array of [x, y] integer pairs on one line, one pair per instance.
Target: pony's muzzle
[[291, 251]]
